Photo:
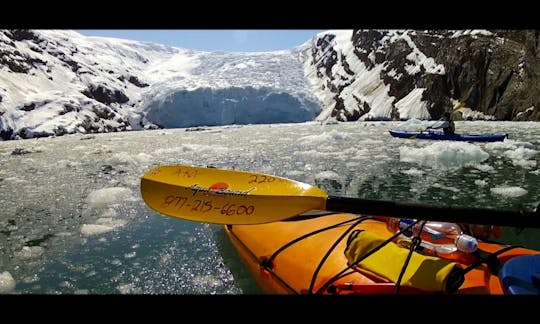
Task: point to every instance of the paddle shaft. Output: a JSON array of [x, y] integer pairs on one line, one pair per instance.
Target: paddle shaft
[[520, 219]]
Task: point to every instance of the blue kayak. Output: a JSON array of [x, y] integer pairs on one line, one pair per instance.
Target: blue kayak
[[434, 135]]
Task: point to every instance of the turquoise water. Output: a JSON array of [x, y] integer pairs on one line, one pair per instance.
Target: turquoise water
[[173, 257], [73, 222]]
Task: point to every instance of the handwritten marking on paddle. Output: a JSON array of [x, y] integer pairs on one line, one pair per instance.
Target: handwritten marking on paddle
[[219, 189], [258, 178], [186, 173], [206, 206]]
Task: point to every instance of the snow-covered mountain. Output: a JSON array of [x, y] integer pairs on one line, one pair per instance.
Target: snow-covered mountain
[[55, 82], [403, 74], [59, 82]]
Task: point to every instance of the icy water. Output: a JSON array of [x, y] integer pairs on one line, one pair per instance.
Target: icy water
[[72, 220]]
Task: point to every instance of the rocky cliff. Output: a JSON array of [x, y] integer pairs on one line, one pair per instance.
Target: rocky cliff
[[371, 74]]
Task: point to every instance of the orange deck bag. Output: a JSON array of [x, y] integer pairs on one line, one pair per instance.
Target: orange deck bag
[[423, 272]]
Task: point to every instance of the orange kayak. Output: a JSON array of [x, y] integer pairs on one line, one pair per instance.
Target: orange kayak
[[317, 256]]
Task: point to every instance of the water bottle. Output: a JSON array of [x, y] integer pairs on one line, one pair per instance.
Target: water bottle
[[440, 237]]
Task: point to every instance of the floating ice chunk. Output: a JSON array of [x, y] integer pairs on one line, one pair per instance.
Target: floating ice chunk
[[109, 196], [103, 225], [509, 191], [522, 156], [123, 158], [480, 183], [205, 149], [7, 283], [484, 167], [128, 289], [324, 138], [413, 172], [16, 180], [116, 262], [166, 258], [207, 281], [110, 222], [440, 186], [94, 229], [29, 252], [108, 213], [444, 155]]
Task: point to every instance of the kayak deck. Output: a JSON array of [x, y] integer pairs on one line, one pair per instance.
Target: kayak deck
[[431, 135], [307, 257]]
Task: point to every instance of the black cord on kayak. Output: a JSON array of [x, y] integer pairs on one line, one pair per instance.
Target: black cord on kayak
[[415, 243], [327, 254], [490, 259], [268, 263], [270, 260], [350, 266]]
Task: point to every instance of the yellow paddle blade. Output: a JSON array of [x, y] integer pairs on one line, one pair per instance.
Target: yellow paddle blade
[[223, 196]]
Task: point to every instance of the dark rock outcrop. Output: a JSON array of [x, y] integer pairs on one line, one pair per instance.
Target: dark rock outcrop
[[133, 79], [494, 73], [105, 95]]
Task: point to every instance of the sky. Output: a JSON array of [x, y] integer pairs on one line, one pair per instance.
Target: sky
[[244, 40]]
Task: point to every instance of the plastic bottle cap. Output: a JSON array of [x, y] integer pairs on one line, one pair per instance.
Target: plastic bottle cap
[[466, 243]]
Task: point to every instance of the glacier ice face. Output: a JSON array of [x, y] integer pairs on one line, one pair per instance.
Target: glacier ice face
[[57, 82], [233, 105]]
